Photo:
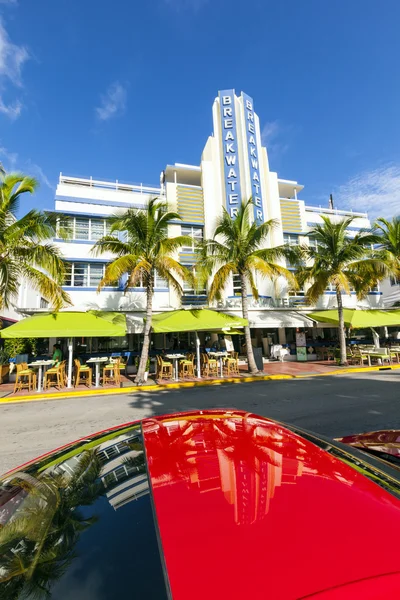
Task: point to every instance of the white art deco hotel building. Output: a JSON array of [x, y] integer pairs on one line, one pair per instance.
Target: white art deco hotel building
[[234, 166]]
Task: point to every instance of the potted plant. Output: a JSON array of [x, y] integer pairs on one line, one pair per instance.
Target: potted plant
[[4, 365], [137, 361]]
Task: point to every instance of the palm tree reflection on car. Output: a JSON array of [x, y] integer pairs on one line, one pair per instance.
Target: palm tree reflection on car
[[37, 543]]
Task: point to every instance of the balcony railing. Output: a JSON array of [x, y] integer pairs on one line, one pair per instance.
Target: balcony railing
[[109, 185], [194, 300]]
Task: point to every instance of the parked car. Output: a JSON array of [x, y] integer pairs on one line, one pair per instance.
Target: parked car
[[208, 504]]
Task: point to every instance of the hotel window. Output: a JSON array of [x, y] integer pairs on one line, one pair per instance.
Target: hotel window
[[291, 240], [81, 274], [188, 290], [394, 281], [312, 242], [196, 233], [237, 285], [299, 292], [374, 288], [90, 229], [331, 288], [81, 229], [43, 303], [160, 282]]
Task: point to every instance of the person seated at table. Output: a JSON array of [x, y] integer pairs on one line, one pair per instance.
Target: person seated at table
[[57, 355], [215, 346]]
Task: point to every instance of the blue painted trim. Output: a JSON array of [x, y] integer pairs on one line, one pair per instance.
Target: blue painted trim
[[250, 296], [375, 293], [343, 294], [70, 288], [142, 289], [100, 202], [73, 241], [89, 260]]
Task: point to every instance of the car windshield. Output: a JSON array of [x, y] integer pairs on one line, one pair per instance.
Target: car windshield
[[82, 522]]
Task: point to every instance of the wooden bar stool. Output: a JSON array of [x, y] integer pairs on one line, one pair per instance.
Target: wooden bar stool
[[55, 377], [25, 378], [111, 374], [83, 373], [210, 365], [164, 369]]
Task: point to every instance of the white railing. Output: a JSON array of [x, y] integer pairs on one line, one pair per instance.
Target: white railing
[[335, 211], [110, 185]]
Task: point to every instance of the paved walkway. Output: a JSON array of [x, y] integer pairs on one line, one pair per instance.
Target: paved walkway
[[274, 369]]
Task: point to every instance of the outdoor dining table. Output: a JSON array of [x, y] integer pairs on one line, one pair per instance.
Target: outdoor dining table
[[39, 364], [221, 356], [175, 358], [97, 362], [375, 354]]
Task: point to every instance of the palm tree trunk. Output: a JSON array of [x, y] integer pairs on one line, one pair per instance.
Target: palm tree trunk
[[245, 309], [342, 337], [139, 379]]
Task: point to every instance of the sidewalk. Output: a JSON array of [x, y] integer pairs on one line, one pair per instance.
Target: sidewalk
[[272, 371]]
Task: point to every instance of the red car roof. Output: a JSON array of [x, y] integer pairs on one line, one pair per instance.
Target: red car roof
[[247, 508]]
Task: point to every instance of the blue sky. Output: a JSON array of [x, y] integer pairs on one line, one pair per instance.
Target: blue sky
[[118, 90]]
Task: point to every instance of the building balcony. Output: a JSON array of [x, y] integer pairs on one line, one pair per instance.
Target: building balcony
[[200, 300]]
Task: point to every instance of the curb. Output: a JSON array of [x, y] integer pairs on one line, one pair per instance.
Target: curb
[[188, 384]]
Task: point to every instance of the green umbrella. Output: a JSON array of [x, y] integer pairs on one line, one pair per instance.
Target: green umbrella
[[196, 320], [69, 324], [357, 318], [201, 319]]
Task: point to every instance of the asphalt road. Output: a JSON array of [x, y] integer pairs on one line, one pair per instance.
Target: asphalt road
[[332, 406]]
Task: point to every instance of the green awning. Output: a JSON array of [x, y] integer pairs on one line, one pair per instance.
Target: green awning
[[68, 324], [358, 319], [195, 320]]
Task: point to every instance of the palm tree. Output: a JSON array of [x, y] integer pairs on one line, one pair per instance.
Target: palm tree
[[341, 261], [236, 248], [388, 250], [25, 252], [144, 251]]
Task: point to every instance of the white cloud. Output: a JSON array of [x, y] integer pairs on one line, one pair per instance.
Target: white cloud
[[191, 5], [12, 111], [12, 162], [274, 137], [376, 192], [12, 58], [113, 102]]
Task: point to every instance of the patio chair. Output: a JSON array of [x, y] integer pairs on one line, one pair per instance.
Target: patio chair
[[164, 369], [395, 355], [210, 366], [111, 373], [186, 366], [83, 373], [25, 378], [359, 357], [231, 364], [55, 377]]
